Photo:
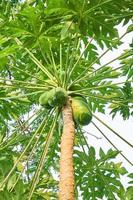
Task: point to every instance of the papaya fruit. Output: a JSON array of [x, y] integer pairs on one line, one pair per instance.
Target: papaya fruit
[[81, 113], [75, 87], [54, 97], [43, 100], [58, 97]]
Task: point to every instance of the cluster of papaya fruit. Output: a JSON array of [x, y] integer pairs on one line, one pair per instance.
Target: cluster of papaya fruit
[[58, 97]]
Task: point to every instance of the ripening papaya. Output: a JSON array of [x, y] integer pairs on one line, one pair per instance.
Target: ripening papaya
[[81, 112], [54, 97]]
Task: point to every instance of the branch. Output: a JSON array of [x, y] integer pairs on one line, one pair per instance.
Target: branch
[[43, 157], [112, 144], [98, 138], [113, 131], [20, 96], [35, 60], [100, 86], [28, 74], [80, 56], [21, 82]]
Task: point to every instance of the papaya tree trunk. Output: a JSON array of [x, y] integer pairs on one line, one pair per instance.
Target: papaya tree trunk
[[66, 185]]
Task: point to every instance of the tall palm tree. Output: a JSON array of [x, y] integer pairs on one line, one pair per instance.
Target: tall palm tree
[[50, 46]]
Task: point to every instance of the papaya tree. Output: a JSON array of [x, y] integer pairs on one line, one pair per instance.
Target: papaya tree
[[52, 84]]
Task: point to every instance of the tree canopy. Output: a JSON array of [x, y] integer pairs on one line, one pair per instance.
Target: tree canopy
[[56, 43]]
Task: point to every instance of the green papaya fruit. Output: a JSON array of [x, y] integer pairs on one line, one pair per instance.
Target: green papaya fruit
[[58, 97], [81, 112], [75, 87], [54, 97], [43, 100]]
